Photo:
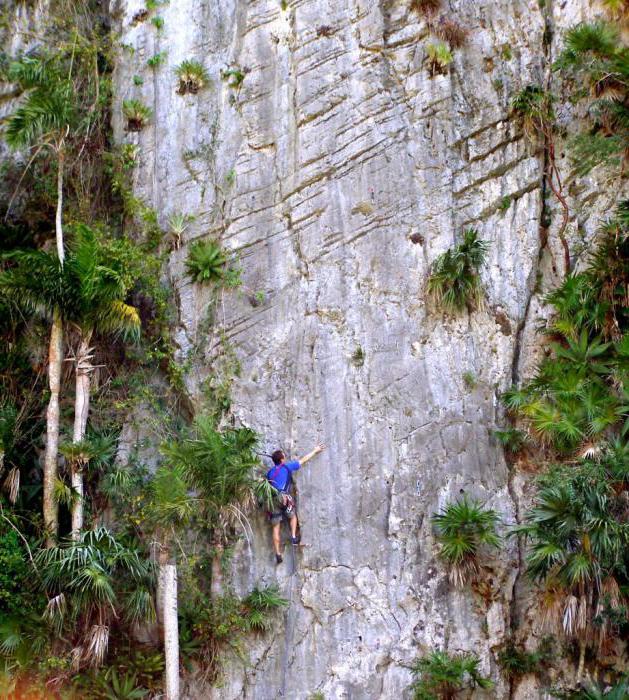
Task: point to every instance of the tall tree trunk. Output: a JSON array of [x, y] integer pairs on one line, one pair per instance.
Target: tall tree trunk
[[217, 571], [81, 411], [55, 359], [59, 212], [581, 665], [168, 587]]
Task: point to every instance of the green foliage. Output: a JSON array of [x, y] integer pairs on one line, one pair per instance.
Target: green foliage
[[235, 76], [578, 395], [532, 106], [594, 64], [516, 662], [219, 467], [469, 379], [511, 439], [358, 357], [578, 545], [192, 77], [439, 57], [223, 622], [156, 60], [443, 675], [93, 581], [136, 113], [592, 691], [454, 283], [158, 23], [505, 203], [207, 262], [462, 528], [138, 80], [48, 105], [116, 687]]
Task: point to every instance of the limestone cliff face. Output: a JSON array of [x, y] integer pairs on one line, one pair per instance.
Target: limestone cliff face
[[337, 171]]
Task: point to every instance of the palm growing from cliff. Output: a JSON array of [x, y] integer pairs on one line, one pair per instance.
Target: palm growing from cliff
[[463, 528], [207, 477], [44, 119], [578, 550]]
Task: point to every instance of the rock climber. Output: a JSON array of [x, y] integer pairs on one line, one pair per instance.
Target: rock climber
[[280, 476]]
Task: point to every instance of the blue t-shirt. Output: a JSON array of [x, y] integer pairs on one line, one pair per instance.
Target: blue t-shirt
[[280, 475]]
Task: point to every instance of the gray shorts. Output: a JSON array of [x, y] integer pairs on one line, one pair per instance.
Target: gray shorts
[[276, 518]]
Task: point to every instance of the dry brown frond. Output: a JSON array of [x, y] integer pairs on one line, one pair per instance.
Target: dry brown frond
[[570, 615], [12, 484], [424, 7], [450, 31], [551, 609], [97, 642], [463, 572]]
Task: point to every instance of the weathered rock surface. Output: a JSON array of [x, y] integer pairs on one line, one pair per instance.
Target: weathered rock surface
[[335, 150]]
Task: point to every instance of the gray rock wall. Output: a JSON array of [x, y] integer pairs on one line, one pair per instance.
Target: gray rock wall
[[337, 148]]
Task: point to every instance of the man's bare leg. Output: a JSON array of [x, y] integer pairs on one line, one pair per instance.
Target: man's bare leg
[[293, 526], [276, 538]]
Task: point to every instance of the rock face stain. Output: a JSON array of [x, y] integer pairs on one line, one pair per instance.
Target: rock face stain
[[325, 155]]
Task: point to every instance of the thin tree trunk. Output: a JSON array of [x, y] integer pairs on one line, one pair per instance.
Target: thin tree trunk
[[55, 359], [81, 411], [217, 571], [168, 586], [581, 665], [58, 215]]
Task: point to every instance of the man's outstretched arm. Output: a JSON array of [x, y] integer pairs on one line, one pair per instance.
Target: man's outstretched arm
[[310, 455]]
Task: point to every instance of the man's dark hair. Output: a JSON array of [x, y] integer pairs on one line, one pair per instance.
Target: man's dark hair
[[278, 456]]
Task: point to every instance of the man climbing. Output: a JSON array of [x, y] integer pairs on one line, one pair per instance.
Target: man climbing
[[280, 476]]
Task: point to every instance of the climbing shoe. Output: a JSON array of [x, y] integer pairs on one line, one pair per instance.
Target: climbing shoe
[[278, 559], [295, 540]]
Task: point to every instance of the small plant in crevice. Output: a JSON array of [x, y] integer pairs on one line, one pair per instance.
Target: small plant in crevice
[[234, 76], [515, 662], [207, 262], [450, 31], [454, 283], [469, 379], [158, 23], [512, 439], [440, 674], [505, 203], [358, 357], [192, 77], [424, 7], [138, 80], [178, 224], [136, 113], [462, 529], [156, 60], [439, 58]]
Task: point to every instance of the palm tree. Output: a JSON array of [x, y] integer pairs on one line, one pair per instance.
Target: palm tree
[[88, 292], [171, 509], [217, 468], [99, 308], [578, 550], [95, 580], [44, 119], [463, 528], [443, 675]]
